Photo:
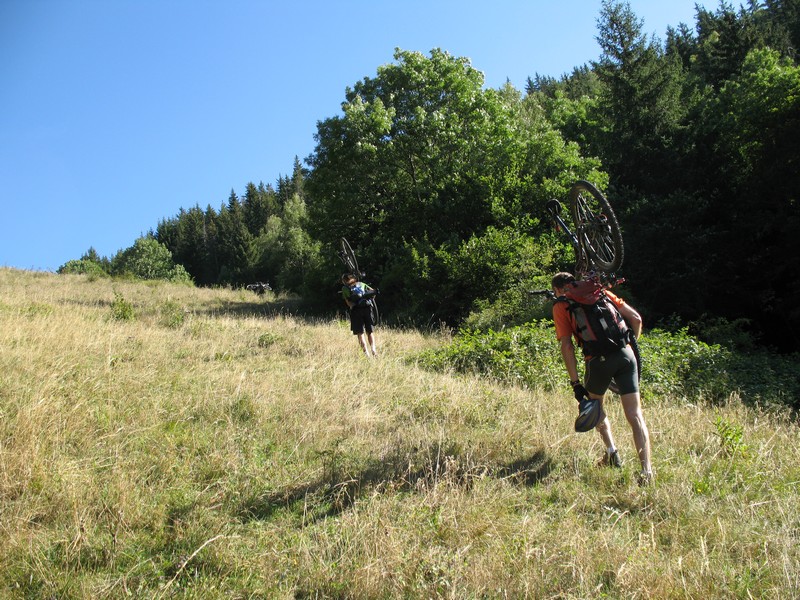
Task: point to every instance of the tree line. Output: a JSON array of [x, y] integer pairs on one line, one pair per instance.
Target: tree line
[[440, 184]]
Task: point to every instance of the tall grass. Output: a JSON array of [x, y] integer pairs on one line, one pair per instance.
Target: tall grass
[[159, 441]]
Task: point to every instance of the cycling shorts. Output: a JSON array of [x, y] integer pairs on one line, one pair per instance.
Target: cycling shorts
[[620, 366], [361, 319]]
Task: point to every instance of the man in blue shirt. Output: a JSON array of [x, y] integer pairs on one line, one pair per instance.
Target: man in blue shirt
[[356, 295]]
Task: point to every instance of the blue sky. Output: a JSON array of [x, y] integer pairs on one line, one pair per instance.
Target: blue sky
[[115, 114]]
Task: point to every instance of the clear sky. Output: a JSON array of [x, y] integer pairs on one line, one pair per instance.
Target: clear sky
[[115, 114]]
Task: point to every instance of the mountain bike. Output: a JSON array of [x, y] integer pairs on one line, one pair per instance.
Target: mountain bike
[[349, 259], [597, 240], [596, 237]]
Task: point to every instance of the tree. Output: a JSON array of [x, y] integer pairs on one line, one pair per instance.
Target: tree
[[235, 250], [148, 259], [408, 154], [640, 103], [784, 17], [259, 204], [91, 263], [423, 158], [286, 252], [191, 238], [755, 121]]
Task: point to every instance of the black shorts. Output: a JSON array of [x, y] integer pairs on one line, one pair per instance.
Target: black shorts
[[361, 319], [621, 366]]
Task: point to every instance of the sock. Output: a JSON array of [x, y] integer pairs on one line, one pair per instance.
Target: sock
[[611, 450]]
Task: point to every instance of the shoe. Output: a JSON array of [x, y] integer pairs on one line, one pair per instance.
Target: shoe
[[612, 460]]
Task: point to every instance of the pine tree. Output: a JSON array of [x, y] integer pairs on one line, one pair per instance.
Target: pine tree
[[640, 103]]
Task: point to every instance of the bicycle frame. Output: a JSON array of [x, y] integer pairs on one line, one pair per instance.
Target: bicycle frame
[[583, 263]]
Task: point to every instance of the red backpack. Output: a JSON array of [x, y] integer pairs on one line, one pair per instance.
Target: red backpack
[[601, 328]]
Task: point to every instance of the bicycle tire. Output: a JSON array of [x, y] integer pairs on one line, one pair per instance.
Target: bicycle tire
[[349, 257], [596, 227], [374, 313]]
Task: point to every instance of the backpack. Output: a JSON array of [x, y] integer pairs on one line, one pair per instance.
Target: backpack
[[360, 294], [601, 328]]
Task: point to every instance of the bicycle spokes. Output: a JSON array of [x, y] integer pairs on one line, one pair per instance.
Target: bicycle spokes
[[348, 257], [597, 232]]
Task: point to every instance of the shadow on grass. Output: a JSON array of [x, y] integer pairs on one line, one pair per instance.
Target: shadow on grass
[[339, 487], [293, 307]]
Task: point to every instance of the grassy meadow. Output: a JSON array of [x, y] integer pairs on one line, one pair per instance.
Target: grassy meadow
[[163, 441]]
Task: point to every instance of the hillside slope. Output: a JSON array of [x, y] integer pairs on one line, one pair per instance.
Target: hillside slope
[[165, 441]]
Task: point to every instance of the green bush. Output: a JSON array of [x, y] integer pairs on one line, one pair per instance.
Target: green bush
[[675, 364], [121, 309], [172, 314], [149, 259], [527, 355], [82, 267]]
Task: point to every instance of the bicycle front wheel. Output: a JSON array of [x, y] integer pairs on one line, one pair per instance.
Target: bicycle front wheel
[[348, 257], [596, 227]]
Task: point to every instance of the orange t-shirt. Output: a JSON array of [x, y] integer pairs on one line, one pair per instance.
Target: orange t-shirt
[[565, 320]]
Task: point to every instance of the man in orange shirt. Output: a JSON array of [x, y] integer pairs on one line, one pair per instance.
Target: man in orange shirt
[[621, 366]]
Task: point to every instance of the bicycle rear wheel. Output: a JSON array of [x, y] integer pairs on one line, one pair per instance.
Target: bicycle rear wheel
[[596, 227], [373, 309], [349, 257]]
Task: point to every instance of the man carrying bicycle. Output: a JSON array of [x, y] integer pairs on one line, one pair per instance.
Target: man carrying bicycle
[[357, 297], [619, 365]]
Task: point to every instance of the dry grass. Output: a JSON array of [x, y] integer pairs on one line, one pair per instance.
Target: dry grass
[[215, 446]]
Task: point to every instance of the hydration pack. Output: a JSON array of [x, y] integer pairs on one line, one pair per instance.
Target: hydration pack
[[360, 294], [601, 328]]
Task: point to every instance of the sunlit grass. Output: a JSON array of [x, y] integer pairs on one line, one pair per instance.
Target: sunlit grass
[[210, 444]]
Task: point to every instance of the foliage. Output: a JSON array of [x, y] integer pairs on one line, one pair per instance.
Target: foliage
[[440, 183], [148, 259], [423, 164], [411, 153], [285, 248], [751, 216], [486, 276], [172, 314], [122, 309], [525, 355], [639, 101], [726, 182], [91, 264], [731, 437], [82, 267]]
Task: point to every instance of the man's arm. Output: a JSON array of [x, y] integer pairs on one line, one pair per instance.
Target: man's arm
[[346, 299], [568, 354], [633, 318]]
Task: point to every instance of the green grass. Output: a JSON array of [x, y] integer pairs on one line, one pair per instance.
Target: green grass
[[159, 441]]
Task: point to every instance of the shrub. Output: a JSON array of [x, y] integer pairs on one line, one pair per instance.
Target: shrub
[[172, 314], [675, 364], [82, 267], [121, 309], [526, 355], [149, 259]]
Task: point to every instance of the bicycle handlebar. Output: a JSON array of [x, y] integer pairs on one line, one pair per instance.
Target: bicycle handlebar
[[549, 293]]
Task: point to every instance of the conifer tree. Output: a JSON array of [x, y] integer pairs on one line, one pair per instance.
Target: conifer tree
[[640, 103]]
